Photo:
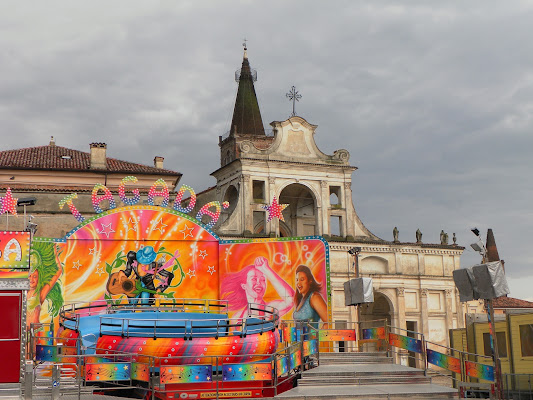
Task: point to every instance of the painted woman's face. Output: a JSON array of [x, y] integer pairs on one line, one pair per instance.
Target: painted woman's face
[[302, 283], [34, 279], [255, 286]]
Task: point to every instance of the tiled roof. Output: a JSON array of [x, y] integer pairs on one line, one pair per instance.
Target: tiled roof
[[61, 189], [511, 302], [62, 158]]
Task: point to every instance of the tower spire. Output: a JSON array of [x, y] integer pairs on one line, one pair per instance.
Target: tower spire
[[246, 114], [492, 250]]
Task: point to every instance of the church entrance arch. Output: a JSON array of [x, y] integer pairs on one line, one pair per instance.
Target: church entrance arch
[[301, 214], [381, 308]]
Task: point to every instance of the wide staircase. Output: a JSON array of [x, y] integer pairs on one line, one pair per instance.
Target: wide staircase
[[365, 376]]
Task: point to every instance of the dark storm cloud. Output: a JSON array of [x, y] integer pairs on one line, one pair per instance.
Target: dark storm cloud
[[434, 101]]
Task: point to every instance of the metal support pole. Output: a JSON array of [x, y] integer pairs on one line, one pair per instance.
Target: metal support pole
[[28, 380], [56, 381], [494, 347]]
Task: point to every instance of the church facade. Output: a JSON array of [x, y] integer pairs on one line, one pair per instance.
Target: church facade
[[413, 284]]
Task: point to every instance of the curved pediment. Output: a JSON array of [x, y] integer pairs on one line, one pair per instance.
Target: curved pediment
[[294, 141]]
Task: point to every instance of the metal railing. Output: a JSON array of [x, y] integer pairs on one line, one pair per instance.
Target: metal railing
[[74, 311], [302, 343], [518, 386]]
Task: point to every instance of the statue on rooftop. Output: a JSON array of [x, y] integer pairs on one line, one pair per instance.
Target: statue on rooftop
[[395, 233]]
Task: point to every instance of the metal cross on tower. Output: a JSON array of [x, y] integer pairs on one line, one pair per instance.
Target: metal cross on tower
[[293, 96]]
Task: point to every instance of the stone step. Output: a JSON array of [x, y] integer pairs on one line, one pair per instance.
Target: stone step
[[381, 374], [364, 380], [366, 357], [378, 360], [355, 354], [369, 392], [350, 356]]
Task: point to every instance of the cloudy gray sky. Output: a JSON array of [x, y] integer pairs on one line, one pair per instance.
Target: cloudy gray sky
[[433, 100]]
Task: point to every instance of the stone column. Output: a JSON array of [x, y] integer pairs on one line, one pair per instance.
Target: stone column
[[424, 312], [401, 307], [393, 269], [271, 227], [400, 297], [247, 211], [459, 308], [323, 214], [449, 314], [346, 204], [421, 264]]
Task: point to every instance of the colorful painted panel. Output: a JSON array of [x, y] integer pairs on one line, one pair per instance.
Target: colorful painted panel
[[282, 365], [310, 347], [374, 333], [44, 337], [479, 371], [186, 374], [97, 360], [405, 342], [107, 372], [140, 372], [197, 351], [289, 334], [296, 359], [13, 274], [14, 252], [247, 372], [444, 361], [335, 335], [266, 271], [45, 353]]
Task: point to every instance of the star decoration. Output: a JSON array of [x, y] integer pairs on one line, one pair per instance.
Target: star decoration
[[211, 270], [106, 230], [275, 210], [93, 251], [159, 226], [8, 204], [131, 225], [187, 232], [100, 271], [77, 265], [191, 273], [203, 254]]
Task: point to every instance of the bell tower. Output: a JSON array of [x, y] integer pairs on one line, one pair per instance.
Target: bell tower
[[246, 123]]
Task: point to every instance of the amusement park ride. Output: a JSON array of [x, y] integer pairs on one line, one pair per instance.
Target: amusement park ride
[[120, 301]]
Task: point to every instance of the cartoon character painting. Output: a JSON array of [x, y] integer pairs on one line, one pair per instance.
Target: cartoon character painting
[[138, 280]]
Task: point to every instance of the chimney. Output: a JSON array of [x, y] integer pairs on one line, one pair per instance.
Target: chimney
[[98, 156], [158, 162], [52, 141]]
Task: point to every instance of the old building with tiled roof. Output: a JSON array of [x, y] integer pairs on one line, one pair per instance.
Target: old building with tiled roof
[[49, 173]]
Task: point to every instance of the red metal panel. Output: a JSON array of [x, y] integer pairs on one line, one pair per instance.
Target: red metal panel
[[11, 306]]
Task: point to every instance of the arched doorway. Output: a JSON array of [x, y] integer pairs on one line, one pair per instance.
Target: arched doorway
[[301, 214], [381, 308], [232, 197]]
